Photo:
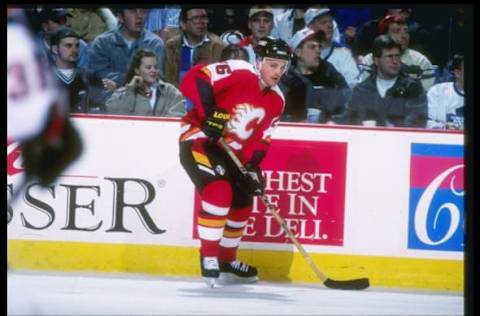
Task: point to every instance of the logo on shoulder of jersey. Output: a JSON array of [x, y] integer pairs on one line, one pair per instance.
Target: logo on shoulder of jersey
[[244, 119]]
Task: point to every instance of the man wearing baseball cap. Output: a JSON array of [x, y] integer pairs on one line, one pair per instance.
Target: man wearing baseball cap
[[321, 19], [314, 90], [51, 20], [65, 47], [62, 33], [313, 15], [260, 23]]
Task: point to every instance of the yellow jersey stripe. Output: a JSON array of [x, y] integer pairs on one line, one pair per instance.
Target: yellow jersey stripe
[[211, 222], [201, 159]]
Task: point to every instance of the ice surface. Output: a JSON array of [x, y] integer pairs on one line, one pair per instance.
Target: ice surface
[[43, 293]]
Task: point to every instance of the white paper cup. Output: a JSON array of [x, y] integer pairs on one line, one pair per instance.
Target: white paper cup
[[370, 123]]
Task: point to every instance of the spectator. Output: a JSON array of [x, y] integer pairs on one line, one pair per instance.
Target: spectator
[[289, 22], [413, 62], [164, 22], [229, 18], [313, 13], [366, 34], [111, 51], [368, 31], [446, 100], [388, 97], [260, 23], [65, 45], [195, 45], [89, 23], [314, 90], [51, 21], [233, 51], [418, 33], [349, 20], [144, 92], [340, 57]]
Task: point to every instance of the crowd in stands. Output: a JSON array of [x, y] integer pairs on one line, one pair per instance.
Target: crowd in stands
[[372, 65]]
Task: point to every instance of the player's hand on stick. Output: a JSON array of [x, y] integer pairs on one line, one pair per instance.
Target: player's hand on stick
[[214, 125], [253, 180]]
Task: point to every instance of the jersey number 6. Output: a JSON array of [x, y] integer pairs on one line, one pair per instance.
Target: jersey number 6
[[223, 69]]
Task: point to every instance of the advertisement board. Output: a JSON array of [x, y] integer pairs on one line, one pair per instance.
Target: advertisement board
[[386, 201], [436, 212]]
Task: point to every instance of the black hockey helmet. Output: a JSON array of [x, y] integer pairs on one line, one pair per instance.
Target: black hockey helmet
[[273, 48]]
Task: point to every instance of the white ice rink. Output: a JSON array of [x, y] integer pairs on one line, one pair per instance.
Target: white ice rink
[[36, 293]]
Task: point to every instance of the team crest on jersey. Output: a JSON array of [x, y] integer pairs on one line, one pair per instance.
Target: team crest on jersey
[[244, 119]]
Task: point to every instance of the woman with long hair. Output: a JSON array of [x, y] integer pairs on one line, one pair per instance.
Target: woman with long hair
[[144, 93]]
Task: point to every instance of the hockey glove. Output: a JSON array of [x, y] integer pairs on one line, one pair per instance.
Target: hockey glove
[[253, 181], [44, 158], [214, 125]]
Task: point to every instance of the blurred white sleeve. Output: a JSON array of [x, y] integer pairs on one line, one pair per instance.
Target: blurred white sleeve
[[31, 86]]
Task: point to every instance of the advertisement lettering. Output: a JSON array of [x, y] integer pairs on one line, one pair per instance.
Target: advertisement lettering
[[305, 181], [38, 210]]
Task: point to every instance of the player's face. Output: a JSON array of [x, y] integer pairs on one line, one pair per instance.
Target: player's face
[[133, 20], [388, 65], [68, 49], [272, 70], [148, 70]]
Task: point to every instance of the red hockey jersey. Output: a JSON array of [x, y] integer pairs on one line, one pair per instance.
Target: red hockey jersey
[[233, 86]]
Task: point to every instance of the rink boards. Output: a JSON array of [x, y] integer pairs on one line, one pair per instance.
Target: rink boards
[[382, 203]]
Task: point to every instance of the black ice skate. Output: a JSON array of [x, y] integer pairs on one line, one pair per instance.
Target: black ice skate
[[210, 270], [238, 271]]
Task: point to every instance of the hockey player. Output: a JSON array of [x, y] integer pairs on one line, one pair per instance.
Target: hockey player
[[243, 104], [37, 111]]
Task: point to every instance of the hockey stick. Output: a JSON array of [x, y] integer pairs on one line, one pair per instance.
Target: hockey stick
[[355, 284]]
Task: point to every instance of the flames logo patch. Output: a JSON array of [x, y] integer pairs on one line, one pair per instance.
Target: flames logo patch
[[244, 118]]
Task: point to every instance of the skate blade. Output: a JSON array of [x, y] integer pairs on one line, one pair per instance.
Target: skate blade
[[212, 282], [230, 278]]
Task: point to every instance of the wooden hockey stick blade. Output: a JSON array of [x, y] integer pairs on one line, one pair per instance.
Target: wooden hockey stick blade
[[355, 284]]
